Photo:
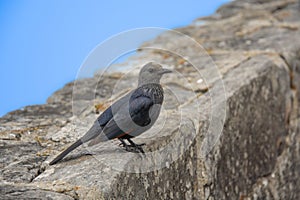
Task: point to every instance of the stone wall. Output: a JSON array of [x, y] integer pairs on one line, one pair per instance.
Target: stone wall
[[255, 45]]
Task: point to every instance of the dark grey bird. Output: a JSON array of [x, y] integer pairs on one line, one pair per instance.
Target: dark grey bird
[[130, 116]]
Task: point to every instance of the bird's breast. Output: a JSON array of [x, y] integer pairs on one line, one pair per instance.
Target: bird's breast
[[155, 91]]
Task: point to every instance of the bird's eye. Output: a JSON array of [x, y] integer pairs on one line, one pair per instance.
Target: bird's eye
[[151, 70]]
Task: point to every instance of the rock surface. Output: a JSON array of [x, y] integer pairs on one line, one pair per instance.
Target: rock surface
[[231, 138]]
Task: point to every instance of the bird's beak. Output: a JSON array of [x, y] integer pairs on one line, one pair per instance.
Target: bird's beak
[[165, 71]]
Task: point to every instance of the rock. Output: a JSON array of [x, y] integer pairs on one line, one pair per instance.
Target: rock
[[11, 192], [228, 127]]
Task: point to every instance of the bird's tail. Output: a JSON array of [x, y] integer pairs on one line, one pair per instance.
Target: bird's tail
[[92, 133], [66, 152]]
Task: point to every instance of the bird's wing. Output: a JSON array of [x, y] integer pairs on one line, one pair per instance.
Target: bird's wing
[[108, 114], [139, 110], [140, 104], [126, 119], [106, 119], [129, 118]]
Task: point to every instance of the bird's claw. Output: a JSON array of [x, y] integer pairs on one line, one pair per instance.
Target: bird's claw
[[137, 145], [134, 148], [129, 145]]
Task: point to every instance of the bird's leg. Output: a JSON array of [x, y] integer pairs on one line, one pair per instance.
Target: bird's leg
[[123, 144], [136, 146], [128, 147]]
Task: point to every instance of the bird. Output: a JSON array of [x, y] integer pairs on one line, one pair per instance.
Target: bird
[[130, 116]]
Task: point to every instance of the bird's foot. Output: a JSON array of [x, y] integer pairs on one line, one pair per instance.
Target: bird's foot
[[132, 147], [137, 145], [136, 148]]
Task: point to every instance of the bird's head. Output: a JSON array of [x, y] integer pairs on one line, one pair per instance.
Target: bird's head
[[152, 73]]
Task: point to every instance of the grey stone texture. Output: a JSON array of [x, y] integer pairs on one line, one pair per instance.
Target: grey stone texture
[[251, 150]]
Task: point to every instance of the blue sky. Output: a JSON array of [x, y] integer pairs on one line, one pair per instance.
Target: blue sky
[[43, 43]]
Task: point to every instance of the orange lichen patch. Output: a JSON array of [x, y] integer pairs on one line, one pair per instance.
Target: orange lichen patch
[[209, 51], [181, 61], [40, 140], [165, 56], [102, 106], [242, 197], [44, 153], [76, 188]]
